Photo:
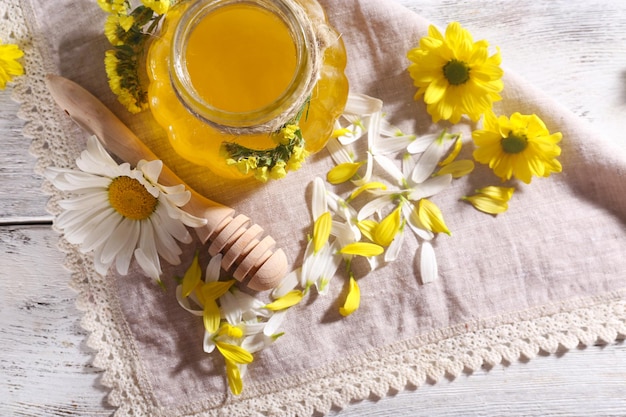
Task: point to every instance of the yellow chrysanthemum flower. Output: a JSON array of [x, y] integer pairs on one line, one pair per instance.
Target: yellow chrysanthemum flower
[[9, 67], [520, 147], [455, 75]]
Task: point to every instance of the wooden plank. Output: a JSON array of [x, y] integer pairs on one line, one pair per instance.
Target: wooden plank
[[44, 362], [20, 187]]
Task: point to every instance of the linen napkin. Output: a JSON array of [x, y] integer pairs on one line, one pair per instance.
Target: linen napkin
[[549, 271]]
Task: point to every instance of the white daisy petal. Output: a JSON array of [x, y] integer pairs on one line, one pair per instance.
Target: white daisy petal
[[430, 187], [410, 214], [319, 204], [374, 206], [125, 254], [151, 170], [392, 252], [274, 323], [427, 163], [146, 254], [353, 133], [387, 129], [287, 284], [85, 201], [390, 168], [230, 308], [421, 143], [213, 269], [184, 303], [393, 144], [428, 263], [361, 104], [208, 345], [338, 153]]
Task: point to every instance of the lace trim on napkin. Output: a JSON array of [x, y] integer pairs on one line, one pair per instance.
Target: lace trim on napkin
[[413, 362]]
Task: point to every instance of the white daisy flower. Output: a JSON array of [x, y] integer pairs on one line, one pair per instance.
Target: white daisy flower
[[118, 212]]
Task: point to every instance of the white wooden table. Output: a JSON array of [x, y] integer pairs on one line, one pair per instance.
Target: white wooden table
[[574, 50]]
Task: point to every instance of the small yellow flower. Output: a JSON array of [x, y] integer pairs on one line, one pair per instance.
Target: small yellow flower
[[9, 67], [520, 147], [343, 172], [455, 75], [261, 174], [353, 299], [113, 6], [159, 6], [289, 133], [279, 170], [298, 155], [431, 217], [116, 26], [491, 200]]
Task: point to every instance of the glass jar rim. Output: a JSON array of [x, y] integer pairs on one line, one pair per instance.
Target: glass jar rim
[[272, 116]]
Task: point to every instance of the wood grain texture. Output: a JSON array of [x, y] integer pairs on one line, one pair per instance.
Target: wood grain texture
[[574, 50]]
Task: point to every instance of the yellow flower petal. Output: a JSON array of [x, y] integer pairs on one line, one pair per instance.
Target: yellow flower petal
[[388, 228], [343, 172], [353, 299], [192, 277], [454, 153], [367, 228], [234, 353], [214, 290], [288, 300], [229, 330], [457, 168], [321, 230], [491, 200], [233, 375], [362, 249], [211, 316], [431, 217], [374, 185]]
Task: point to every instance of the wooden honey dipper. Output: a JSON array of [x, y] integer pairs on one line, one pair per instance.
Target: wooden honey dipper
[[249, 256]]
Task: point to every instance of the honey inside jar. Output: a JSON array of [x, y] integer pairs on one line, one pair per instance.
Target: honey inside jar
[[231, 71], [240, 58]]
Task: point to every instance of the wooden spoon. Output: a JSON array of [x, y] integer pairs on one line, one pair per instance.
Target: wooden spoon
[[249, 257]]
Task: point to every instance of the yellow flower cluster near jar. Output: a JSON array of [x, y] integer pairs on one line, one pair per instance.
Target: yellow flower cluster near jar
[[9, 65], [128, 31]]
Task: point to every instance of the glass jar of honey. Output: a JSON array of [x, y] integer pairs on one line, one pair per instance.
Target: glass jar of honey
[[247, 87]]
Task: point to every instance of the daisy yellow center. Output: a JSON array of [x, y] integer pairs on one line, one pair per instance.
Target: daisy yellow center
[[514, 143], [131, 199], [456, 72]]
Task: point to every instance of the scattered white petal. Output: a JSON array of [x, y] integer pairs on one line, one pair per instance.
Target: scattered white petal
[[428, 263]]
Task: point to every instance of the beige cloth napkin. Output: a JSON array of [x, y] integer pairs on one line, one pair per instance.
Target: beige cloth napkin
[[549, 271]]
